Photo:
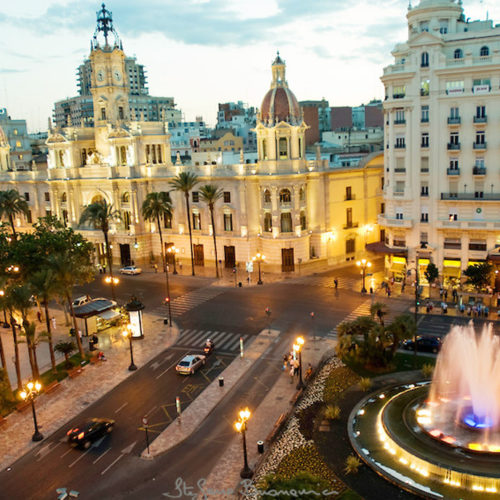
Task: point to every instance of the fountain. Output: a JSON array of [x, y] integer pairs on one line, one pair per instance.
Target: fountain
[[440, 438]]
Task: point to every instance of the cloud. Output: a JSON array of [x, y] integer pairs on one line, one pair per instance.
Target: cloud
[[6, 71]]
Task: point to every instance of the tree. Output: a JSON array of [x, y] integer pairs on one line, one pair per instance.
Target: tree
[[6, 395], [65, 348], [402, 328], [156, 206], [184, 183], [479, 275], [431, 275], [302, 485], [210, 194], [99, 215], [12, 204], [379, 309]]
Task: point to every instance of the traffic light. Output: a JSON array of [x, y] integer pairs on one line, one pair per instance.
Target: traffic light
[[167, 300]]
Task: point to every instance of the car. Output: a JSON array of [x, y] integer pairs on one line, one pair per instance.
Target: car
[[131, 270], [427, 343], [190, 363], [85, 434], [79, 301]]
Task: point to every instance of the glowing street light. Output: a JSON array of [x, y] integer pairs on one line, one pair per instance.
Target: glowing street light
[[112, 280], [297, 347], [363, 264], [172, 250], [241, 426], [259, 258], [128, 334], [29, 393]]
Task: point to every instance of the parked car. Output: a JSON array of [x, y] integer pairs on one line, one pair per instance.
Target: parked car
[[425, 343], [190, 363], [84, 435], [79, 301], [131, 270]]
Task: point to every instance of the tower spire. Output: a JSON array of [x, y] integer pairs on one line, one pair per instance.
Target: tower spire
[[105, 26]]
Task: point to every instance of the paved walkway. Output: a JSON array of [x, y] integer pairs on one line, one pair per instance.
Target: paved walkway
[[73, 395]]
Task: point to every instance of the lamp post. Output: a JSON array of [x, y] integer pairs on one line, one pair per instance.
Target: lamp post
[[5, 322], [298, 348], [241, 426], [112, 280], [29, 394], [173, 251], [167, 299], [417, 296], [363, 264], [259, 258], [128, 333]]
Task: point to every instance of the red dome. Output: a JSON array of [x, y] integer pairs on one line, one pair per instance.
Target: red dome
[[279, 104]]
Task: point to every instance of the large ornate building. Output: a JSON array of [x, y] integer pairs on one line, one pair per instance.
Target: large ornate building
[[442, 110], [293, 210]]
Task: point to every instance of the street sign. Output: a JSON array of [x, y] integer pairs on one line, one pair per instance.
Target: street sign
[[144, 421]]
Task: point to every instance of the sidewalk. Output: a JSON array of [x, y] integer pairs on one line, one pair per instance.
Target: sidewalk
[[73, 395]]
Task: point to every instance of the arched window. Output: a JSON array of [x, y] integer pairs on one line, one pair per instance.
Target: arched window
[[268, 222], [264, 149], [126, 219], [286, 222], [123, 155], [302, 194], [64, 198], [485, 51], [458, 54], [303, 221], [126, 197], [61, 158], [96, 198], [267, 196], [424, 60], [285, 196]]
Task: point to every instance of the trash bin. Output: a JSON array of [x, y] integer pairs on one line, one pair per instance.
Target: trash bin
[[240, 284], [260, 446], [165, 321], [221, 381]]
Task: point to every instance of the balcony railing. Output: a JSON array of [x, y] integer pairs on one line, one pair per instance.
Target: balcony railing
[[454, 120], [400, 146], [478, 170], [351, 225], [480, 119], [479, 145], [480, 195], [453, 145], [400, 122], [453, 171], [400, 170], [349, 197], [424, 120]]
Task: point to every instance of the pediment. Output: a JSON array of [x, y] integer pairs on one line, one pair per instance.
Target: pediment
[[55, 138], [119, 133], [426, 38]]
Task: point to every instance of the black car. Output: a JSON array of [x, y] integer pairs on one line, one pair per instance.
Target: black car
[[84, 435], [425, 343]]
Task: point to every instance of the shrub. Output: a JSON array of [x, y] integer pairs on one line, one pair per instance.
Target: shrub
[[427, 370], [365, 384], [337, 382], [332, 412], [352, 464], [306, 419], [307, 485]]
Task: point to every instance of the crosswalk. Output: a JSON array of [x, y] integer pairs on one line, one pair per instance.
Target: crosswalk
[[345, 282], [224, 341], [188, 301]]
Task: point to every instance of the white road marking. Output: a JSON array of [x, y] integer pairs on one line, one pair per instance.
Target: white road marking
[[43, 453], [129, 448], [110, 465], [69, 451], [165, 371], [79, 458], [100, 456], [150, 411], [121, 407]]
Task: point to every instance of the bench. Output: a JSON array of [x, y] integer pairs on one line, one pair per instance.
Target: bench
[[75, 372], [53, 386], [276, 428], [94, 360], [23, 405]]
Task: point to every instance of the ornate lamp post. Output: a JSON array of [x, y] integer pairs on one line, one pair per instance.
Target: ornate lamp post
[[128, 334], [134, 308], [112, 280], [173, 251], [297, 347], [363, 264], [259, 258], [241, 426], [29, 393]]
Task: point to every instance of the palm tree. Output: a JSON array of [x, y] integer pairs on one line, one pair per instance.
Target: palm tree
[[12, 204], [210, 194], [65, 348], [99, 214], [184, 182], [378, 309], [45, 287]]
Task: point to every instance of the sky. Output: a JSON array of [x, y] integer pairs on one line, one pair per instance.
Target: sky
[[203, 52]]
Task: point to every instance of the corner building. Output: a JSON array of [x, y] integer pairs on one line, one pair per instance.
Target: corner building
[[442, 133], [292, 210]]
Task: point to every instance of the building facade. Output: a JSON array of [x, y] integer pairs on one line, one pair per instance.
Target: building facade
[[16, 134], [442, 115]]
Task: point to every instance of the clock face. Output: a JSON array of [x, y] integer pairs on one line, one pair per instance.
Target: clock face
[[100, 75], [118, 76]]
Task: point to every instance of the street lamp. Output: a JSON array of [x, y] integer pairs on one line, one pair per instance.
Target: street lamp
[[167, 299], [173, 251], [29, 394], [298, 348], [363, 264], [5, 322], [259, 258], [112, 280], [128, 333], [241, 426]]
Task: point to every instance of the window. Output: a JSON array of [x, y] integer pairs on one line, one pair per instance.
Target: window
[[424, 217], [227, 197], [285, 196], [64, 198], [424, 239], [424, 60], [400, 142], [480, 137], [424, 114], [453, 163], [264, 149], [286, 222], [400, 116], [382, 208], [398, 243], [443, 26], [120, 113], [480, 111], [126, 197], [303, 221], [424, 87], [302, 194], [454, 113], [399, 215], [424, 26], [15, 131], [454, 138], [398, 92], [424, 189], [228, 222], [350, 245], [424, 164], [348, 193], [283, 147], [479, 162], [27, 196], [481, 85], [103, 113], [46, 196], [478, 245], [29, 217], [196, 221], [267, 196], [455, 87], [452, 216], [400, 187], [452, 243], [458, 54], [126, 220], [167, 221], [18, 144], [268, 222], [348, 217], [485, 51], [195, 195], [425, 140], [48, 213]]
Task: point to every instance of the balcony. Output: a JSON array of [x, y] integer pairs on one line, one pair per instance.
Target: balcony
[[398, 96], [478, 170], [454, 120], [480, 195], [453, 171], [400, 146], [480, 119], [400, 122], [479, 145], [352, 225], [424, 120], [400, 170], [424, 170], [392, 222], [453, 146]]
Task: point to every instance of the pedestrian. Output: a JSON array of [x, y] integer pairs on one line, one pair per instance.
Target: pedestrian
[[402, 286], [308, 371], [371, 290], [446, 295], [486, 311], [296, 367], [462, 308], [156, 268], [336, 283], [441, 291], [291, 374], [388, 292], [54, 322], [285, 361], [39, 316]]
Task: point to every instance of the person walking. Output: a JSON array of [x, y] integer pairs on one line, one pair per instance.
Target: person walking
[[39, 316], [54, 322], [291, 373], [336, 283], [296, 367], [285, 361]]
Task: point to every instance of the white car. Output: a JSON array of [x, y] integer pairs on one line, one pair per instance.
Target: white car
[[131, 270], [190, 363], [79, 301]]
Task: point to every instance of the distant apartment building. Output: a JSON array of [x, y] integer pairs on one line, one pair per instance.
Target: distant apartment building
[[223, 141], [185, 137], [16, 135], [317, 117], [241, 119]]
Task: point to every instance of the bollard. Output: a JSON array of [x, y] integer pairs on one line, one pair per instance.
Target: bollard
[[165, 321], [221, 381], [260, 446], [240, 284]]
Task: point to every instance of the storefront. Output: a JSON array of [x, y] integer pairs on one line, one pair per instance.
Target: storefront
[[398, 268], [422, 268], [452, 271]]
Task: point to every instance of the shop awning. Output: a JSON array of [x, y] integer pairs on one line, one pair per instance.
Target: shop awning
[[397, 268], [94, 307], [381, 247], [452, 272], [494, 257], [109, 314]]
